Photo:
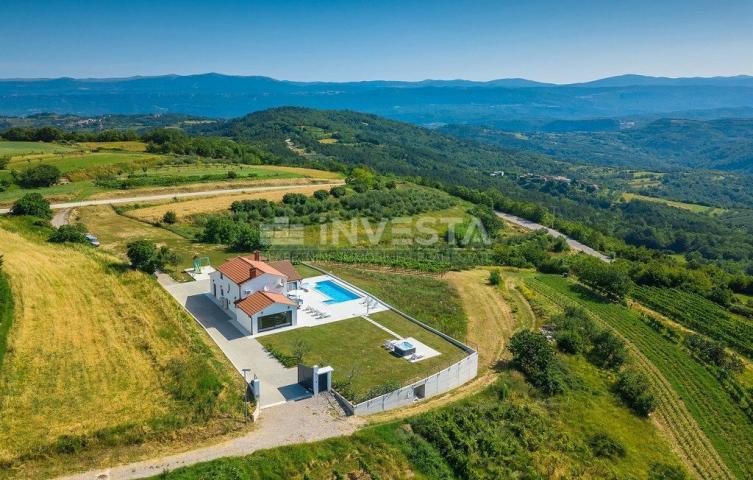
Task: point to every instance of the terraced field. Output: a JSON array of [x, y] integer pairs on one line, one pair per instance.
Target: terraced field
[[709, 431]]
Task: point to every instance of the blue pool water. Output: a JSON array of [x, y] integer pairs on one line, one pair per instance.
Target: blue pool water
[[335, 292]]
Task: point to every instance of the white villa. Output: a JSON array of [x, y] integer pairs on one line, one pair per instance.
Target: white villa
[[254, 292]]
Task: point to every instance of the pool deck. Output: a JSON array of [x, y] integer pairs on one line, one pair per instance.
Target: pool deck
[[314, 301]]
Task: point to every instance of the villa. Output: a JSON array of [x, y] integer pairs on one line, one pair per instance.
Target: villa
[[255, 293]]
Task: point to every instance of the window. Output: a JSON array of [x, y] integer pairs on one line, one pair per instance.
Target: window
[[276, 320], [214, 289]]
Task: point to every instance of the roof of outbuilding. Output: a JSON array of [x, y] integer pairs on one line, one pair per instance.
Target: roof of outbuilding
[[258, 301], [241, 269], [287, 268]]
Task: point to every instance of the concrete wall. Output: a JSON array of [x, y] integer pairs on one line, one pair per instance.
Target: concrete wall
[[441, 382]]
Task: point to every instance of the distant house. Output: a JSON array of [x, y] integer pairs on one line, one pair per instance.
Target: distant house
[[254, 292], [498, 173]]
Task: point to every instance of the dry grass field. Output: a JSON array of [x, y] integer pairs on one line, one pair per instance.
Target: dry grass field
[[125, 146], [188, 208], [101, 363]]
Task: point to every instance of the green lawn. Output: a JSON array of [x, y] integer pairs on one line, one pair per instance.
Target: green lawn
[[430, 300], [354, 349]]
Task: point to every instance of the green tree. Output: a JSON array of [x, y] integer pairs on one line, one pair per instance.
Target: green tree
[[38, 176], [33, 204], [169, 217], [634, 388], [608, 350], [534, 356], [75, 233], [321, 195], [495, 278], [145, 256], [612, 279]]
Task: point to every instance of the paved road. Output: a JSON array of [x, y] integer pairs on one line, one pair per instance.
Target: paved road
[[574, 244], [307, 420], [168, 196], [278, 384]]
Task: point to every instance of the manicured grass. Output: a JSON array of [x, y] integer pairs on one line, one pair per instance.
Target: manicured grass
[[354, 349], [430, 300], [101, 363], [712, 409]]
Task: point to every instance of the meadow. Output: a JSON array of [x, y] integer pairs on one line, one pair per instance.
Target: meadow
[[102, 366]]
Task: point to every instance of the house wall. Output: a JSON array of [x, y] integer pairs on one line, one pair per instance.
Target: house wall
[[265, 282], [230, 290], [275, 308]]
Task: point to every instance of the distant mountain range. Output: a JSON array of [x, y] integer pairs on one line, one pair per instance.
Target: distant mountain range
[[517, 104]]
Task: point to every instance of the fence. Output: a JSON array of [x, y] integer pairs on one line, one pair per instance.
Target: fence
[[440, 382]]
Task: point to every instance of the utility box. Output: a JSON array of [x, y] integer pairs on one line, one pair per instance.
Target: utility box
[[315, 379]]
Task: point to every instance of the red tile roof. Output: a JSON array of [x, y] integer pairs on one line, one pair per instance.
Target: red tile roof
[[287, 268], [258, 301], [242, 269]]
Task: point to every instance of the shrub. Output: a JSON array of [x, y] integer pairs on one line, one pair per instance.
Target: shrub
[[570, 341], [75, 233], [602, 445], [662, 471], [338, 191], [610, 278], [535, 357], [495, 277], [4, 161], [321, 195], [231, 174], [42, 175], [634, 389], [294, 199], [169, 217], [32, 204]]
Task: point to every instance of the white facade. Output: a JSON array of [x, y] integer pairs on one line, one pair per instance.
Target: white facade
[[251, 324]]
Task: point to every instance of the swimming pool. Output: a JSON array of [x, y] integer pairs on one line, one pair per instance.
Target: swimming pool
[[335, 292]]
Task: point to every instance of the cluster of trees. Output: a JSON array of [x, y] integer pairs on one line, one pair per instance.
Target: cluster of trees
[[611, 279], [37, 176], [32, 204], [170, 140], [73, 233], [713, 352], [54, 134], [144, 255], [532, 250]]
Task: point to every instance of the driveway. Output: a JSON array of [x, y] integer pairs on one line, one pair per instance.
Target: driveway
[[278, 384], [308, 420]]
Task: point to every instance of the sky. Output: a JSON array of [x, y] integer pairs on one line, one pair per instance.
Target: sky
[[559, 41]]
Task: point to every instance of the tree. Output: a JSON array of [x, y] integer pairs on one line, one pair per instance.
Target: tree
[[495, 277], [145, 256], [38, 176], [535, 357], [169, 217], [32, 204], [634, 388], [75, 233], [608, 350], [321, 195], [338, 191], [247, 238], [612, 279]]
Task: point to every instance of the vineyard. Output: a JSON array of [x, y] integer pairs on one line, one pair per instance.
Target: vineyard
[[701, 315], [710, 431]]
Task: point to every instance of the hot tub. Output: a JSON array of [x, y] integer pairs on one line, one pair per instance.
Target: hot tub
[[403, 348]]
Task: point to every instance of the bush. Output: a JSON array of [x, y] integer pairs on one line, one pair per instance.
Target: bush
[[321, 195], [495, 278], [570, 341], [535, 357], [231, 174], [338, 191], [604, 446], [32, 204], [38, 176], [69, 233], [4, 161], [169, 217], [145, 256], [609, 278], [634, 389], [662, 471]]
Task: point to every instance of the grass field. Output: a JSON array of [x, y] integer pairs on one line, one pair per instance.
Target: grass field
[[438, 304], [6, 314], [693, 207], [128, 146], [26, 148], [102, 364], [708, 429], [354, 349], [83, 160], [188, 208]]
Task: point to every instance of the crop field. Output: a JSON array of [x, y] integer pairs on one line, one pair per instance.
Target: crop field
[[354, 349], [709, 431], [701, 315], [26, 148], [102, 363]]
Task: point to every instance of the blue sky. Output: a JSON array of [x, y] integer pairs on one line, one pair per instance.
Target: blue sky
[[558, 41]]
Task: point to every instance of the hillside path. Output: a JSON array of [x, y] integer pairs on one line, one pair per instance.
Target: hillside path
[[168, 196], [574, 244], [309, 420]]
